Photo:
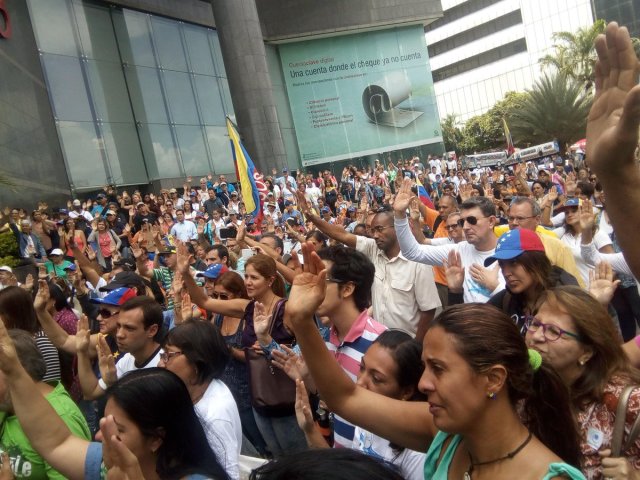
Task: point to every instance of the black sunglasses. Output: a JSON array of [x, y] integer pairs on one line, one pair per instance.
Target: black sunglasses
[[471, 220], [104, 313], [221, 296]]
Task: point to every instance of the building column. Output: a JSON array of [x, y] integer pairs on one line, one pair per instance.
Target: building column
[[245, 62]]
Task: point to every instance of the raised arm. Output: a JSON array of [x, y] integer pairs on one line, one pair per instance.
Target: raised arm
[[407, 424], [612, 136], [337, 232], [47, 432]]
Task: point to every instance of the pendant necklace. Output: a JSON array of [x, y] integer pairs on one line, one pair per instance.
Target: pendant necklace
[[508, 456]]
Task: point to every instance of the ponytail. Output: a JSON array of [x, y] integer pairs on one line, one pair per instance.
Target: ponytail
[[548, 414]]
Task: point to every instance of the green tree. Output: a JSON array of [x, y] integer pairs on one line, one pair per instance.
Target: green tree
[[451, 133], [555, 108], [574, 54]]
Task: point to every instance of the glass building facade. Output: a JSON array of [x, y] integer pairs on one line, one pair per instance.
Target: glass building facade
[[136, 97], [625, 12]]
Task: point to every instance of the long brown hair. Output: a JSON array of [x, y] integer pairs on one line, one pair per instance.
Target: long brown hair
[[485, 336], [233, 282], [266, 266], [596, 329]]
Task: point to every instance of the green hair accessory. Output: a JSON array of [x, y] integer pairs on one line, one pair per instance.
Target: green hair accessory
[[535, 359]]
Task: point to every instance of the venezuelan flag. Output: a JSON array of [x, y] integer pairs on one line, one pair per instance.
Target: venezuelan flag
[[246, 172], [423, 195]]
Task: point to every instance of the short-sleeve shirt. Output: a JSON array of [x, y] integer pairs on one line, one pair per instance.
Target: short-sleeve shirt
[[401, 288]]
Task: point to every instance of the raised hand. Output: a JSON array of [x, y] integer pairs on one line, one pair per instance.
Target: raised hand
[[601, 283], [612, 124], [43, 296], [90, 253], [587, 217], [29, 282], [414, 209], [403, 198], [485, 276], [261, 322], [82, 335], [454, 271], [9, 363], [136, 251], [183, 259], [302, 202], [42, 272], [308, 288], [290, 362], [304, 416], [106, 361], [121, 463]]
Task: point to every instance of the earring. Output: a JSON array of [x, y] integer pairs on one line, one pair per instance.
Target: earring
[[581, 362], [491, 395]]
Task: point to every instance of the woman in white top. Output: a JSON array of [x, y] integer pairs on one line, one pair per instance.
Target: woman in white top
[[571, 234], [195, 351]]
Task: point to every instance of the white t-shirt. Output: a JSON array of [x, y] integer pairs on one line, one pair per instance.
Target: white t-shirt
[[452, 164], [600, 239], [435, 255], [410, 462], [127, 363], [220, 419]]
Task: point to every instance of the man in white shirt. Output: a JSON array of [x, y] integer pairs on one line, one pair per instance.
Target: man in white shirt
[[183, 230], [78, 211], [477, 217], [139, 325]]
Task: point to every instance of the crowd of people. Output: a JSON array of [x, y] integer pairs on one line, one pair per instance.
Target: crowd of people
[[350, 329]]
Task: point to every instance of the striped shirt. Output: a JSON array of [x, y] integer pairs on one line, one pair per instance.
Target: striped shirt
[[50, 355], [164, 276], [348, 353]]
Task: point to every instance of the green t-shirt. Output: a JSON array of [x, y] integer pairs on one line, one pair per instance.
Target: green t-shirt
[[26, 462], [59, 269]]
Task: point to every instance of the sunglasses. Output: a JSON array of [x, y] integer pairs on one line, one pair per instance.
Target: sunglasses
[[221, 296], [104, 313], [471, 220]]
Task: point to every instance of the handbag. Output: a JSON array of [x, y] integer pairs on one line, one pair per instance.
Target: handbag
[[273, 393], [617, 448]]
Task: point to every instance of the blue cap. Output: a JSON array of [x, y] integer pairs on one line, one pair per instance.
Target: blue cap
[[117, 297], [214, 271], [571, 202], [288, 203], [325, 210], [514, 243], [352, 209], [71, 266]]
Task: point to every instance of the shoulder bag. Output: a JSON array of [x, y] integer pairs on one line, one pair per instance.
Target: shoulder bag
[[617, 447]]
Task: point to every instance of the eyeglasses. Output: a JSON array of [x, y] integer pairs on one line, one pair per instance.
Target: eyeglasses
[[380, 228], [104, 313], [221, 296], [335, 280], [471, 220], [166, 356], [519, 219], [550, 331], [450, 228]]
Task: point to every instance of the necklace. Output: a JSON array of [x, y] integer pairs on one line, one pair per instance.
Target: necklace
[[508, 456]]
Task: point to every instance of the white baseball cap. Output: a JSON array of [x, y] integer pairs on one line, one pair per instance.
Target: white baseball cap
[[4, 268], [56, 251]]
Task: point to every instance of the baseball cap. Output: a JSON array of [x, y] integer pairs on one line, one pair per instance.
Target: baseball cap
[[514, 243], [56, 251], [234, 194], [542, 170], [139, 204], [271, 204], [173, 190], [352, 209], [117, 297], [111, 212], [5, 268], [64, 211], [192, 194], [285, 169], [124, 280], [325, 210], [570, 203], [101, 195], [71, 266], [223, 183], [270, 194], [214, 271], [76, 203], [288, 203]]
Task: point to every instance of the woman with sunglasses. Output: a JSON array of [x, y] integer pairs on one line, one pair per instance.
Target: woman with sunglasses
[[527, 273], [196, 353], [478, 376], [576, 336], [230, 286]]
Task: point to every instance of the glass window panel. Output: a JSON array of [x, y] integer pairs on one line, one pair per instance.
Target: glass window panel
[[67, 88], [96, 32], [160, 152], [134, 37], [53, 26], [220, 149], [209, 100], [82, 151], [217, 54], [166, 35], [192, 150], [199, 49], [146, 95], [109, 91], [226, 96], [182, 103], [123, 153]]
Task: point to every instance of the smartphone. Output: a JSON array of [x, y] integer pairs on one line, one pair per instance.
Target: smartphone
[[227, 233], [247, 253]]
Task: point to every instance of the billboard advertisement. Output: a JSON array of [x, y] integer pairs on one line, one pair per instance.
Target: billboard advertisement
[[360, 94]]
